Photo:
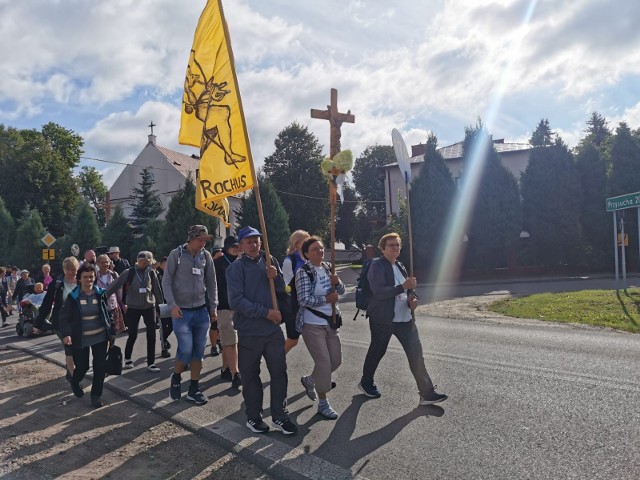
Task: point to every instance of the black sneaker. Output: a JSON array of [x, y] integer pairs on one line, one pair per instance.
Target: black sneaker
[[68, 376], [77, 390], [433, 398], [257, 426], [165, 354], [197, 397], [96, 402], [175, 391], [370, 390], [167, 345], [215, 351], [237, 381], [226, 376], [286, 426]]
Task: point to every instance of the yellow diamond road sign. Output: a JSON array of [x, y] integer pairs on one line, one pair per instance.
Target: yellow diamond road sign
[[48, 239]]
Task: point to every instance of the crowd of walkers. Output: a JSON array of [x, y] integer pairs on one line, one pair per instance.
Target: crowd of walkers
[[226, 296]]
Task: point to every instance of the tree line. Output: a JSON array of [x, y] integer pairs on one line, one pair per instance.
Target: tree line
[[559, 200]]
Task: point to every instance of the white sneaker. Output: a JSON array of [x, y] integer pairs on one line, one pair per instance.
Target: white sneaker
[[128, 365], [153, 368]]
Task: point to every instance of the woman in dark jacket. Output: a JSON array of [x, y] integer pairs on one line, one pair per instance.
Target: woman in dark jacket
[[389, 313], [85, 324]]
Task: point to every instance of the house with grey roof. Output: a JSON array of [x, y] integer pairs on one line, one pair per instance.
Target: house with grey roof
[[514, 156]]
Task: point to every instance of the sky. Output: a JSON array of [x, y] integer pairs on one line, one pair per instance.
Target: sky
[[106, 69]]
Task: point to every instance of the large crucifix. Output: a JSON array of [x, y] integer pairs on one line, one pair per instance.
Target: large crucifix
[[336, 119]]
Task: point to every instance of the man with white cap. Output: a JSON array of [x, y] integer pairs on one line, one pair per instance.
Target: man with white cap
[[190, 289], [119, 264]]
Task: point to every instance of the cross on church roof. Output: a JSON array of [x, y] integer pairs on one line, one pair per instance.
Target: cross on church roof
[[151, 125]]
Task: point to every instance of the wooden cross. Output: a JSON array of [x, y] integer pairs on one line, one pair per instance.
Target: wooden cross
[[336, 120], [151, 125]]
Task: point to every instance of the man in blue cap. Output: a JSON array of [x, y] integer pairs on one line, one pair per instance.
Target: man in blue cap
[[259, 334]]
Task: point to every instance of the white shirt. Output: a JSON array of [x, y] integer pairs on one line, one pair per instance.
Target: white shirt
[[401, 311], [323, 286]]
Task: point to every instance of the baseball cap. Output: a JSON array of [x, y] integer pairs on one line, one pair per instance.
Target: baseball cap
[[146, 255], [197, 231], [248, 232], [230, 241]]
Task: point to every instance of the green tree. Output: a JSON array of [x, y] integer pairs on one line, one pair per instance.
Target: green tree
[[432, 193], [181, 214], [594, 220], [147, 205], [551, 199], [294, 172], [36, 170], [598, 133], [7, 233], [275, 217], [119, 233], [150, 239], [495, 221], [542, 135], [84, 230], [27, 252], [624, 177], [95, 192], [346, 216], [368, 178]]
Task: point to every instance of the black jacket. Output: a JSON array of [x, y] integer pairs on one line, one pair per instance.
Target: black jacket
[[52, 303], [382, 283]]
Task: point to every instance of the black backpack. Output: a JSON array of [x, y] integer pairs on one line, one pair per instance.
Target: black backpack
[[363, 290]]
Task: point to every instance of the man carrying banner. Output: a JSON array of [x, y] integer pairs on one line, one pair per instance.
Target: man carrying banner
[[259, 332]]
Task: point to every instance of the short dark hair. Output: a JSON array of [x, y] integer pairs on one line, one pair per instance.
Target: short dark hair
[[308, 242], [85, 267]]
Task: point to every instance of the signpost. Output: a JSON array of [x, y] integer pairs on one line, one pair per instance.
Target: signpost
[[613, 204]]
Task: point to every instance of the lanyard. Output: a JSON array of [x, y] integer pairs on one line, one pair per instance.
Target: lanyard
[[143, 280]]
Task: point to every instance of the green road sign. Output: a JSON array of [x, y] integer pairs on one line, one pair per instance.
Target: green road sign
[[630, 200]]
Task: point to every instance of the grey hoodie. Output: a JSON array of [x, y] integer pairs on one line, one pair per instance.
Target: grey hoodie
[[186, 287]]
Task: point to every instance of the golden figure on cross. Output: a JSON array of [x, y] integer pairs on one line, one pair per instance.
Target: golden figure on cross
[[336, 119]]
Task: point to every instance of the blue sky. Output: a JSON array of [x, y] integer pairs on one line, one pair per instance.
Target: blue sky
[[106, 69]]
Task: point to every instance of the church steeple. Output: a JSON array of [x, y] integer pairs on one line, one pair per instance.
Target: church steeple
[[152, 137]]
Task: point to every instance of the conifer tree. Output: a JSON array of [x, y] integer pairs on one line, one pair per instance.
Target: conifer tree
[[27, 252], [84, 230], [7, 232], [147, 204], [118, 233], [275, 217]]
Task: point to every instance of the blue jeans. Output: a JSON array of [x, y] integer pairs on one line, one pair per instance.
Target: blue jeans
[[191, 330]]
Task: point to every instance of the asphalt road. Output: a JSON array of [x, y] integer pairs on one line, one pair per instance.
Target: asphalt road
[[531, 400]]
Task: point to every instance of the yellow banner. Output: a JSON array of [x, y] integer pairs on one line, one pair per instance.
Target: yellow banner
[[212, 116], [215, 208]]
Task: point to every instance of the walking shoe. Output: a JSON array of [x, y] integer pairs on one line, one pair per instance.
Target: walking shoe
[[226, 376], [96, 402], [310, 387], [433, 398], [166, 345], [68, 376], [333, 384], [165, 354], [4, 324], [197, 397], [153, 368], [215, 351], [257, 426], [326, 411], [370, 390], [286, 426], [128, 365], [175, 391], [77, 390], [237, 381]]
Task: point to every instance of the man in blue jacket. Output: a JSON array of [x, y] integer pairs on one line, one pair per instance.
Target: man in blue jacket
[[259, 334]]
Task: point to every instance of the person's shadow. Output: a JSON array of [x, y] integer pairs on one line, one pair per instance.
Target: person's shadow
[[344, 451]]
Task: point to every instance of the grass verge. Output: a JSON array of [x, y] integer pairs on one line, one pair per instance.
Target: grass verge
[[603, 308]]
